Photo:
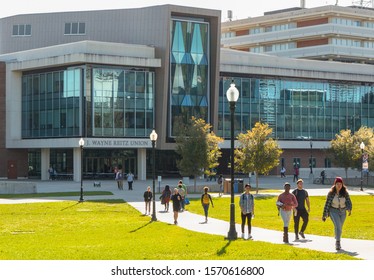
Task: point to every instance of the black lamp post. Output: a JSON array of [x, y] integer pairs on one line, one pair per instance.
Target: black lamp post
[[232, 95], [362, 147], [311, 157], [81, 144], [153, 137]]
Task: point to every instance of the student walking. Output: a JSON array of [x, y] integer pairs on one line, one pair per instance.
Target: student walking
[[165, 198], [220, 185], [206, 200], [296, 173], [147, 200], [182, 190], [130, 180], [176, 199], [302, 197], [337, 204], [286, 203], [283, 172], [247, 207], [119, 177]]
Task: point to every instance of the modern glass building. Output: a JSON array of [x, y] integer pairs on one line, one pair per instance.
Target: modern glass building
[[106, 82], [112, 84]]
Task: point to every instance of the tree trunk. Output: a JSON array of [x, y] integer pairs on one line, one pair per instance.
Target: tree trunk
[[194, 183], [256, 182]]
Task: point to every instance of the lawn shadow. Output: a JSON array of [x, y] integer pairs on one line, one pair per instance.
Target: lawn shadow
[[222, 251], [71, 206], [139, 228], [352, 254]]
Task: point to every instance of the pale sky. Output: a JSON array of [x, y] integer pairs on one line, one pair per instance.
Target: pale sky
[[240, 8]]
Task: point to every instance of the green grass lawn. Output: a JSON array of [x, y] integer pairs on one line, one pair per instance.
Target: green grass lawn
[[359, 225], [113, 230], [55, 194]]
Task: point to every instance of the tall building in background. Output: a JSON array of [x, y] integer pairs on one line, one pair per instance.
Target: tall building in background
[[328, 33]]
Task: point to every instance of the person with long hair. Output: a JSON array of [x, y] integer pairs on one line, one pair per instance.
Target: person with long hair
[[337, 204], [165, 198]]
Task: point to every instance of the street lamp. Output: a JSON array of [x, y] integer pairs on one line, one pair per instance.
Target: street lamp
[[311, 157], [232, 95], [362, 147], [81, 144], [153, 137]]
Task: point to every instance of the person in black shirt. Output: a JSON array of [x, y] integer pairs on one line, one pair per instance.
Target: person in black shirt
[[147, 199], [176, 198], [302, 197]]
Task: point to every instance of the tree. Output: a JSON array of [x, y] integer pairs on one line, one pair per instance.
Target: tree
[[257, 151], [343, 150], [197, 147], [365, 135], [214, 153]]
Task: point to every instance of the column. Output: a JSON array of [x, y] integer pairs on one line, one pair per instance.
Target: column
[[45, 156], [142, 166]]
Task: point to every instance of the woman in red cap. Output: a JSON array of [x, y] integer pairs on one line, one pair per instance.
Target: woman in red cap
[[337, 204]]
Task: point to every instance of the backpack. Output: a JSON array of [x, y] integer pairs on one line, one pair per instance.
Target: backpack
[[205, 198], [119, 176]]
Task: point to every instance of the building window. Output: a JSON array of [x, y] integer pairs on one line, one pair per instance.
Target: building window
[[297, 109], [22, 30], [123, 102], [75, 28], [189, 72], [51, 104]]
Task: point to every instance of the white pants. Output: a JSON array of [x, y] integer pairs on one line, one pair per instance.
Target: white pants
[[286, 217]]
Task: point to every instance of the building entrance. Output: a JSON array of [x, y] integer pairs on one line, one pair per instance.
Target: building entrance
[[103, 163]]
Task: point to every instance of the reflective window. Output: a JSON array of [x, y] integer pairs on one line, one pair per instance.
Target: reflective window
[[189, 75], [123, 102], [51, 104], [297, 109]]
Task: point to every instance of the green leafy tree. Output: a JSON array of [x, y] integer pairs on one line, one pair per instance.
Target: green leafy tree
[[214, 153], [343, 150], [366, 136], [197, 147], [257, 151]]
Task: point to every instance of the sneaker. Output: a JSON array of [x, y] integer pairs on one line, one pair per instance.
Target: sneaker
[[243, 235], [249, 236], [302, 234], [175, 222]]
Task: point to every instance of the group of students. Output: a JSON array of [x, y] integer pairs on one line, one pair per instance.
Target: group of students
[[337, 205], [178, 197], [294, 204]]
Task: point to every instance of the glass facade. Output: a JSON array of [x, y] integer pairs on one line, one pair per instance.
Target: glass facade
[[51, 104], [122, 102], [189, 74], [297, 109]]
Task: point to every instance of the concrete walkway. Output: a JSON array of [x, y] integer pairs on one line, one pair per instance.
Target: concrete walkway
[[363, 249]]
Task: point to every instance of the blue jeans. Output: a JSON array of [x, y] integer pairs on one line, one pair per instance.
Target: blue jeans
[[338, 217], [206, 209]]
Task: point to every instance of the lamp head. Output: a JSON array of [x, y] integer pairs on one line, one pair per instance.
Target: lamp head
[[362, 146], [81, 142], [153, 136], [232, 93]]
